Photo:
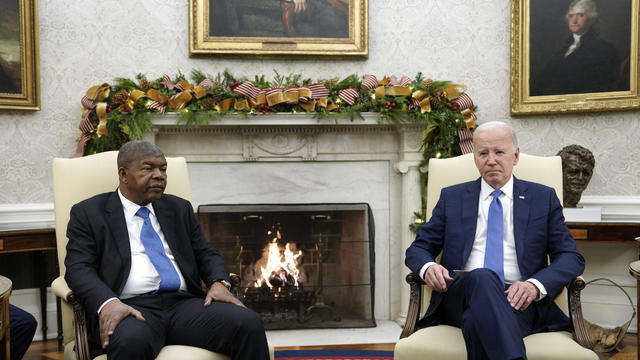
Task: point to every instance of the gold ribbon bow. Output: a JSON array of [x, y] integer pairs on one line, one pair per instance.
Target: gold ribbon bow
[[424, 100], [97, 94]]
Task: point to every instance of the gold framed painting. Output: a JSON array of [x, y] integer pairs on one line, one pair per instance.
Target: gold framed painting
[[279, 27], [19, 68], [570, 56]]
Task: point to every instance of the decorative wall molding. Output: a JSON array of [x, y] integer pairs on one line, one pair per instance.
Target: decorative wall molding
[[26, 216], [615, 208]]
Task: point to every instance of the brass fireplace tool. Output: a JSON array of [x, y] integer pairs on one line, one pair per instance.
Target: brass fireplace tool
[[321, 251]]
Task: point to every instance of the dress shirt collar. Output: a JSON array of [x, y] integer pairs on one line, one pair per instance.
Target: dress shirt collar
[[576, 38], [486, 189], [131, 208]]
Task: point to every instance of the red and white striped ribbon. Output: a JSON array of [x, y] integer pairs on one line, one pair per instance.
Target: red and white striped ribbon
[[349, 95], [466, 140], [414, 103], [206, 82], [463, 102], [87, 103], [369, 82], [405, 80], [181, 106], [157, 105], [247, 89], [86, 126], [169, 84], [318, 90]]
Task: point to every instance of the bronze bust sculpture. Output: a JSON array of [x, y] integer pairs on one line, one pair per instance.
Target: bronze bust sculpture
[[577, 168]]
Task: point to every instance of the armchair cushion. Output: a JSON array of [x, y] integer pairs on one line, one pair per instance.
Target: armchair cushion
[[446, 343]]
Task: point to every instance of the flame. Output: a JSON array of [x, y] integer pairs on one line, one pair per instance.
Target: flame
[[279, 265]]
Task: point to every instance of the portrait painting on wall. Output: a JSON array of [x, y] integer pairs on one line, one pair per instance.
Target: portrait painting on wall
[[19, 83], [574, 56], [279, 27]]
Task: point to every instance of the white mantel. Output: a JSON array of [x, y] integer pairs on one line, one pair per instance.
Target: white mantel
[[295, 158]]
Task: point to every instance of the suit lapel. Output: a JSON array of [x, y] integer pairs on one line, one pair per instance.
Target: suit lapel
[[521, 207], [118, 225], [470, 217]]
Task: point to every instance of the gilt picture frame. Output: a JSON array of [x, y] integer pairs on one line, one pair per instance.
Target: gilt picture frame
[[600, 73], [336, 28], [19, 61]]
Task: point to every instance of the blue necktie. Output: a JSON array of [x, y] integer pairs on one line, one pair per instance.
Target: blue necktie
[[493, 255], [169, 278]]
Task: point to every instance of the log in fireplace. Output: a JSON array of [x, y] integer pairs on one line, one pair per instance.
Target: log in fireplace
[[301, 265]]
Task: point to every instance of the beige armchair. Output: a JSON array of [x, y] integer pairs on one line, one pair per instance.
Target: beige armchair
[[78, 179], [444, 342]]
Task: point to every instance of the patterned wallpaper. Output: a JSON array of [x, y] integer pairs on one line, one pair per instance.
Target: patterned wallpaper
[[86, 43]]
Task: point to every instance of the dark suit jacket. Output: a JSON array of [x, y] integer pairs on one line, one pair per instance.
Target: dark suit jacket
[[592, 67], [98, 257], [539, 231]]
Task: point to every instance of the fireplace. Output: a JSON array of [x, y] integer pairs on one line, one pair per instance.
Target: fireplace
[[301, 265], [296, 158]]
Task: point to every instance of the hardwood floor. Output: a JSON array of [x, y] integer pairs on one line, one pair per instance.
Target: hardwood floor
[[49, 350]]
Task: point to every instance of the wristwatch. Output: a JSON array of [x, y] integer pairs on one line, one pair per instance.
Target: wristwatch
[[223, 282]]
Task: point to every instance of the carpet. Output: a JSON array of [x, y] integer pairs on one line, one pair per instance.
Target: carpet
[[333, 354]]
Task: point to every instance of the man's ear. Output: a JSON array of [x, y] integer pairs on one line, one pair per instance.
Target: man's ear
[[122, 174]]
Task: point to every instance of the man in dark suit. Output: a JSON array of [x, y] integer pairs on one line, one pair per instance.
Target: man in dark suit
[[137, 257], [499, 231], [586, 63]]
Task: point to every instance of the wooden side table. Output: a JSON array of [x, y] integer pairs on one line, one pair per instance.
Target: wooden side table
[[38, 241], [5, 291]]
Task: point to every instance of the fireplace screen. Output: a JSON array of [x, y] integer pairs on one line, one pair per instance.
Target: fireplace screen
[[301, 265]]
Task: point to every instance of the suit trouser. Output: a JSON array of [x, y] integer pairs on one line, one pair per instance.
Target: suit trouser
[[179, 318], [492, 329], [22, 327]]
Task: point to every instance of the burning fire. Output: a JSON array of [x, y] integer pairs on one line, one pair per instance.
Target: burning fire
[[282, 266]]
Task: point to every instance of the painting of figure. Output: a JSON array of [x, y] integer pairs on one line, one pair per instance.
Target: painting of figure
[[579, 46], [279, 18], [10, 82]]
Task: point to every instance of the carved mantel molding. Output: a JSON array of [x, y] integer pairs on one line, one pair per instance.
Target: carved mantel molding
[[290, 137]]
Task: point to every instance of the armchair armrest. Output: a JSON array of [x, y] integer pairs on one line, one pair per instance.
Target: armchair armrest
[[415, 299], [573, 293], [575, 312], [60, 288]]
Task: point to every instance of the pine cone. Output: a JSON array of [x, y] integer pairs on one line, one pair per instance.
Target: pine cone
[[435, 103], [427, 84], [208, 104], [145, 84], [121, 95]]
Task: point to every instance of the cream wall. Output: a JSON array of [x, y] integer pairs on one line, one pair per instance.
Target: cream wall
[[83, 43]]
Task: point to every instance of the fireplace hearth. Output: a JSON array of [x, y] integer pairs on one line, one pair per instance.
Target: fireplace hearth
[[301, 265]]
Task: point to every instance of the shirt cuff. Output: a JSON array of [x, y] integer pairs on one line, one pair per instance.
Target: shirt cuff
[[542, 292], [424, 268], [105, 303]]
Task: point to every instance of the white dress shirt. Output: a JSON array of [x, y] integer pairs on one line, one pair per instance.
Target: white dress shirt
[[574, 46], [476, 257], [143, 276]]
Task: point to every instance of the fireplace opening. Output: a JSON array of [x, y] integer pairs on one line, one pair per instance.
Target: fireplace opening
[[301, 265]]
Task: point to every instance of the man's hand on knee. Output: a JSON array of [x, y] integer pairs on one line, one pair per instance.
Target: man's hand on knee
[[520, 294], [219, 292], [110, 316], [436, 277]]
